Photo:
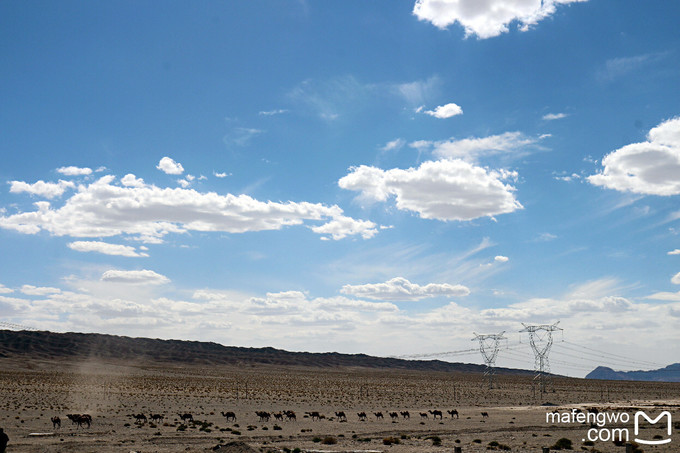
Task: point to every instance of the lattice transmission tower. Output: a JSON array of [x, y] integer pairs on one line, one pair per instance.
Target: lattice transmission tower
[[541, 340], [489, 346]]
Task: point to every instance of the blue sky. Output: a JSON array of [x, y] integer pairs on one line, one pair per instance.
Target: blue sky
[[380, 177]]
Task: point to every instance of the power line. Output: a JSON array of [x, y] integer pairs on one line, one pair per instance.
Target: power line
[[614, 355]]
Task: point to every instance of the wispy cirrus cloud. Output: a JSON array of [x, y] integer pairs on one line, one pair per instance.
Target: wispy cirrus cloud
[[513, 144], [554, 116]]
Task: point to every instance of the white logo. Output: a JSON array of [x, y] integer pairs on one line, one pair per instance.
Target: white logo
[[639, 414]]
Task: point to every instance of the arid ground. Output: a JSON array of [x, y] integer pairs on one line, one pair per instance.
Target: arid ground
[[34, 391]]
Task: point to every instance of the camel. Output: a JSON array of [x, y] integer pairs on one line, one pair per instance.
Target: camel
[[341, 416], [378, 415], [362, 416], [185, 417], [84, 419], [290, 415], [436, 413], [157, 417], [264, 416], [56, 422], [278, 416], [314, 415], [394, 415], [140, 418], [405, 414], [485, 414], [230, 416], [423, 415], [453, 412]]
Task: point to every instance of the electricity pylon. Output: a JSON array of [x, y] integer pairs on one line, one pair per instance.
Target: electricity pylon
[[540, 338], [488, 346]]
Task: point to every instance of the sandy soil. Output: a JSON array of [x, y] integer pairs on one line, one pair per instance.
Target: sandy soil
[[33, 392]]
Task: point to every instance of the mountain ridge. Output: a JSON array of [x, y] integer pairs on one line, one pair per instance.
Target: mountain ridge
[[72, 345], [671, 373]]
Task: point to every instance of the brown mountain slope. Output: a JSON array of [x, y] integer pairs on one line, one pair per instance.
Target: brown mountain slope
[[45, 345]]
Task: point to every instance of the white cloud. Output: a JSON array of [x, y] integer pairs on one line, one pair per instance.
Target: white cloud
[[105, 248], [651, 167], [445, 111], [619, 67], [170, 167], [31, 290], [5, 290], [41, 188], [241, 136], [676, 279], [488, 18], [418, 91], [501, 259], [674, 252], [400, 289], [443, 190], [221, 175], [143, 277], [397, 143], [131, 180], [474, 147], [545, 237], [148, 213], [273, 112], [74, 171], [554, 116], [342, 226]]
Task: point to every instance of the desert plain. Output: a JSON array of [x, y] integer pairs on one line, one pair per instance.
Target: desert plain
[[32, 392]]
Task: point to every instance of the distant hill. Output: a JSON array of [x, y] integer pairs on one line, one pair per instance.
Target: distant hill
[[43, 345], [671, 373]]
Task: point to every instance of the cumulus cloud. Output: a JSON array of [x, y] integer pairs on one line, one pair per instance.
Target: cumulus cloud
[[74, 171], [486, 19], [170, 167], [341, 227], [674, 252], [445, 111], [651, 167], [131, 180], [148, 213], [443, 190], [105, 248], [143, 277], [501, 259], [676, 279], [41, 188], [473, 148], [400, 289], [5, 290], [554, 116]]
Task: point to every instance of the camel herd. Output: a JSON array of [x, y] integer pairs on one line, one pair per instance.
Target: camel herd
[[85, 420]]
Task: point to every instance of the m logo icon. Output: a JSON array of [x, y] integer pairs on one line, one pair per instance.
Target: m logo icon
[[640, 414]]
